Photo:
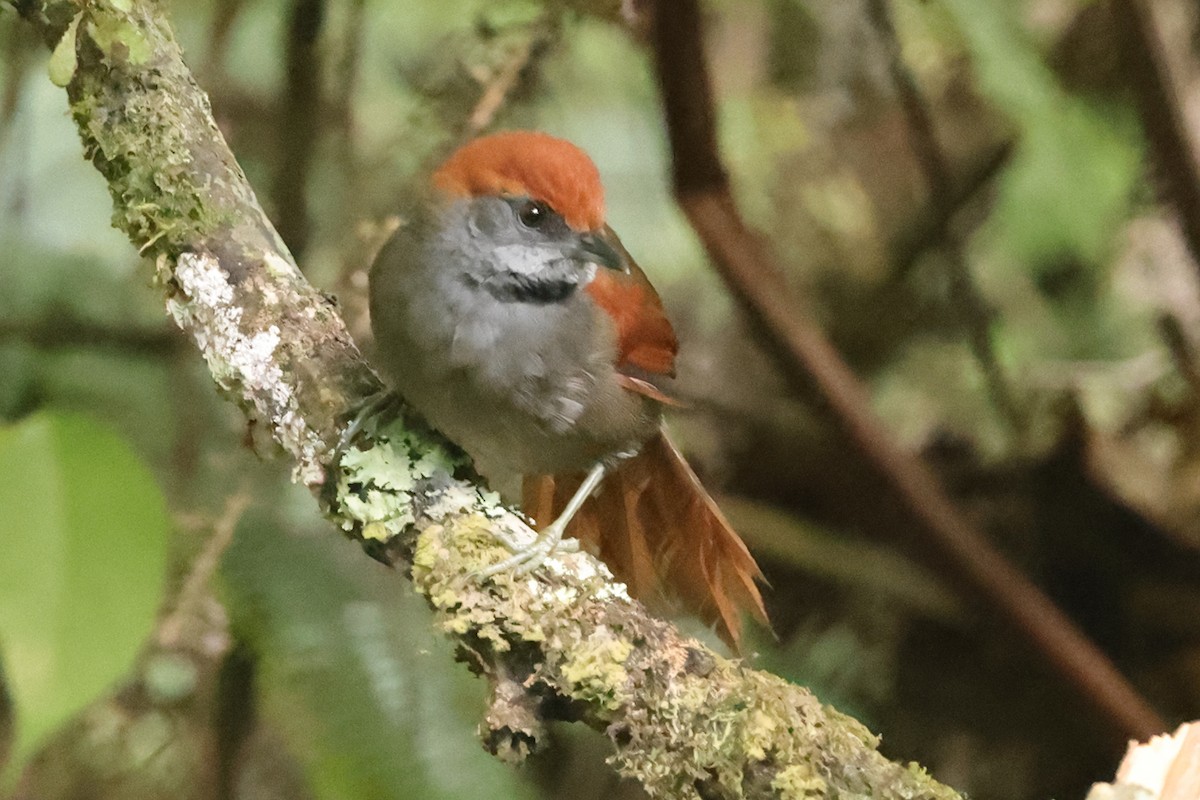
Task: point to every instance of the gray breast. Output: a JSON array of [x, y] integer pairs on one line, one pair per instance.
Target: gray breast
[[526, 386]]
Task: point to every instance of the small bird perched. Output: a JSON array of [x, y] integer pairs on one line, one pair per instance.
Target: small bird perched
[[508, 313]]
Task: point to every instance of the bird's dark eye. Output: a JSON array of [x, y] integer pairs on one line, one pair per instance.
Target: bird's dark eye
[[533, 214]]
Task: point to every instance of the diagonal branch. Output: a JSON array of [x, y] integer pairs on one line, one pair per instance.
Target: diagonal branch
[[1176, 147], [755, 279], [509, 76], [565, 645], [933, 163], [300, 104]]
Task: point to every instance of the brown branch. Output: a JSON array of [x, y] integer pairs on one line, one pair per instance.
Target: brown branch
[[922, 137], [935, 226], [220, 32], [346, 73], [1176, 147], [16, 50], [506, 78], [753, 276], [299, 109], [182, 610], [63, 331]]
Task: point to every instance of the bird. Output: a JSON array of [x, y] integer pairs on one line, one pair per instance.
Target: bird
[[508, 313]]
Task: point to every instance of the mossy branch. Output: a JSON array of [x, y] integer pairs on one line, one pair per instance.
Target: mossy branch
[[566, 644]]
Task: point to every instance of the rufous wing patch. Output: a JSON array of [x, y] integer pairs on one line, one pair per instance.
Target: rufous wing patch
[[646, 343]]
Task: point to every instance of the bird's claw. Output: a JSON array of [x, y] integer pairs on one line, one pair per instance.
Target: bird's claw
[[527, 558]]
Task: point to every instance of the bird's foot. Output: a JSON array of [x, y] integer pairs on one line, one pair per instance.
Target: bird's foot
[[526, 558], [383, 401]]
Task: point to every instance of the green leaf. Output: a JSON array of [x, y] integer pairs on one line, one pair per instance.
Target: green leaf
[[64, 60], [353, 675], [1073, 175], [119, 39], [83, 537]]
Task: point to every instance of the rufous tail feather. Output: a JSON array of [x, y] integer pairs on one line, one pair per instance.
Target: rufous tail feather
[[659, 531]]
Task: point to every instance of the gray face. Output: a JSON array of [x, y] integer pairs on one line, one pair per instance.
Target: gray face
[[469, 329], [521, 251]]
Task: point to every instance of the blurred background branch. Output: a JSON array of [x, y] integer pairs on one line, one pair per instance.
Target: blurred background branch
[[1174, 142], [303, 101], [923, 139], [702, 187]]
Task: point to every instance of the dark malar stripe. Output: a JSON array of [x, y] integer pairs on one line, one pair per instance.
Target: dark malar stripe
[[512, 287]]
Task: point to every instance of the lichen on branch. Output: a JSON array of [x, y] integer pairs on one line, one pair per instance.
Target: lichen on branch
[[684, 721], [564, 644]]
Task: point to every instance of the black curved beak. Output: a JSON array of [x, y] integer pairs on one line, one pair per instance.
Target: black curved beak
[[596, 248]]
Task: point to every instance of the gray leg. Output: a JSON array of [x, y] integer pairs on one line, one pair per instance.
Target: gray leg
[[526, 559], [368, 408]]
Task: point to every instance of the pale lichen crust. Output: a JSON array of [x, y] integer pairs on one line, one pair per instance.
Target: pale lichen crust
[[380, 487], [243, 355], [140, 138]]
